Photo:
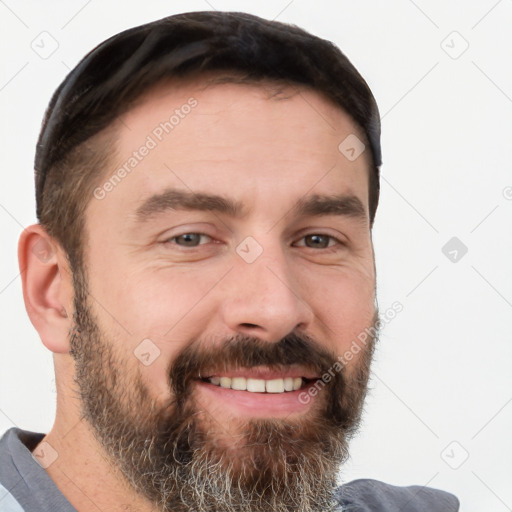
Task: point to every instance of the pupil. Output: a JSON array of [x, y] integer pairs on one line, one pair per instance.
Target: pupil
[[317, 241], [189, 239]]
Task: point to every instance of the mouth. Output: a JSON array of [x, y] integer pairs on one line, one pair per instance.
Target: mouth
[[257, 392], [255, 385]]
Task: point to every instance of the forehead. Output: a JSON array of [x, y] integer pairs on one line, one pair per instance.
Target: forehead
[[242, 140], [221, 109]]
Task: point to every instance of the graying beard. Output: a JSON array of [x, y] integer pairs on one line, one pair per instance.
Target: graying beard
[[302, 491], [208, 480], [208, 485]]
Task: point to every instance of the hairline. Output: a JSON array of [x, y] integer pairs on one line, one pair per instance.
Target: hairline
[[105, 145]]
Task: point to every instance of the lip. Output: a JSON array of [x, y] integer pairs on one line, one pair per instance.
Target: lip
[[262, 372], [256, 405]]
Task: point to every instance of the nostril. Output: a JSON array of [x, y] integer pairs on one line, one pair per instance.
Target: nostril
[[249, 325]]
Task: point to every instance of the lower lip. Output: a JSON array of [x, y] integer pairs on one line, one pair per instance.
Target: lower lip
[[258, 404]]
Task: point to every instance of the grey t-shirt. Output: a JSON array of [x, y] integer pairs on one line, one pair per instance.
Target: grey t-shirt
[[25, 486]]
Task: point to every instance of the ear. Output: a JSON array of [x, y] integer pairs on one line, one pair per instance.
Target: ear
[[47, 287]]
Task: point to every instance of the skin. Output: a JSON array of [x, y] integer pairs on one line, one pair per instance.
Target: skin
[[264, 153]]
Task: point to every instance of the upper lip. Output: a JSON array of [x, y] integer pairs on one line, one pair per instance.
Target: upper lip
[[261, 372]]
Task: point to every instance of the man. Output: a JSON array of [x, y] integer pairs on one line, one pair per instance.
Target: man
[[206, 187]]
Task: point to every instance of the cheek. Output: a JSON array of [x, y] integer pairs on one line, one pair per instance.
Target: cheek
[[160, 302], [154, 317], [345, 306], [351, 313], [155, 375]]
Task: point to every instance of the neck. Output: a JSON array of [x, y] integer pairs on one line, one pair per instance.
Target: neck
[[82, 471]]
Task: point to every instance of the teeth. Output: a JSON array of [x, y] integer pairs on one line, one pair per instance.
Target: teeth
[[225, 382], [258, 385], [274, 386], [239, 383]]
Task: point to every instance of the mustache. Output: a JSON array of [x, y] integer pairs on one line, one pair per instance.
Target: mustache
[[247, 352]]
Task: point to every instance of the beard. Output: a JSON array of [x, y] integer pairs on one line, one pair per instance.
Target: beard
[[183, 459]]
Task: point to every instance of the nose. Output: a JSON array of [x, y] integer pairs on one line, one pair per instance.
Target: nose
[[263, 299]]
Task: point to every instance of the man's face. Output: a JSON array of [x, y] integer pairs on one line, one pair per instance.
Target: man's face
[[227, 270]]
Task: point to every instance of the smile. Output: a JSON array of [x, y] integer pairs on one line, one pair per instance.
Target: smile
[[279, 385]]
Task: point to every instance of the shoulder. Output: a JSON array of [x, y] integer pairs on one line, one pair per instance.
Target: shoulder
[[16, 443], [367, 495]]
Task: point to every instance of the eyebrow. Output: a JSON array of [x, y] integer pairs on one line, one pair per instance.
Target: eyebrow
[[345, 205], [172, 199]]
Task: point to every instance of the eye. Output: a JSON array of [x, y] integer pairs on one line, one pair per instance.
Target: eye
[[318, 241], [190, 239]]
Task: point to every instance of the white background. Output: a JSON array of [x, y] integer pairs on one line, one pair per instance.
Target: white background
[[442, 370]]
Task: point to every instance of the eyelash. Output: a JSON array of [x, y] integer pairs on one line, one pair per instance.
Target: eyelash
[[329, 246]]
